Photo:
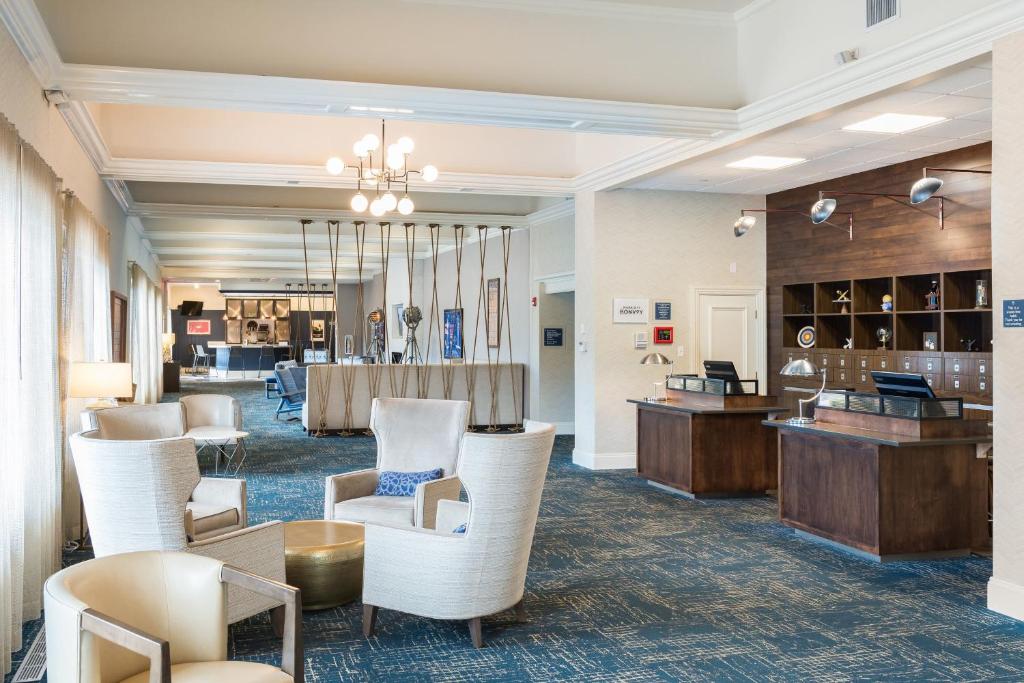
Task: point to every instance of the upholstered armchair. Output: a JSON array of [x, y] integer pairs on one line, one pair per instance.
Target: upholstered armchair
[[440, 574], [413, 435], [215, 421], [146, 494], [145, 617]]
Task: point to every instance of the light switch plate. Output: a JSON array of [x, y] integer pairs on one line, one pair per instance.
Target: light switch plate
[[680, 351]]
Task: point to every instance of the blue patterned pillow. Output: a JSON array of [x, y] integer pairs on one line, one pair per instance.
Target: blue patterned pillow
[[403, 483], [460, 529]]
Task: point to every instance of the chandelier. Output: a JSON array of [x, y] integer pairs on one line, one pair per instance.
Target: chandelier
[[381, 172]]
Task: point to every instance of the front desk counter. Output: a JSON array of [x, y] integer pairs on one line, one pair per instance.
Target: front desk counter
[[887, 488], [707, 446], [245, 358]]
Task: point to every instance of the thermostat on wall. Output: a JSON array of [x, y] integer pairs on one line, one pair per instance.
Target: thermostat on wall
[[639, 340]]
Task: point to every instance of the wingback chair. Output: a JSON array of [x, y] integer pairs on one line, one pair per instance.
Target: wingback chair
[[445, 575], [137, 494], [147, 616], [413, 435], [214, 420]]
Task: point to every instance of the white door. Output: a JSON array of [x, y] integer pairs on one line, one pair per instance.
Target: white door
[[729, 329]]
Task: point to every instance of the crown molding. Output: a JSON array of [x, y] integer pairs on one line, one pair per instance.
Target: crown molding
[[552, 213], [749, 10], [27, 28], [599, 9]]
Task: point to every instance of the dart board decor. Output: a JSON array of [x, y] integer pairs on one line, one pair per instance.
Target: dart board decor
[[806, 337]]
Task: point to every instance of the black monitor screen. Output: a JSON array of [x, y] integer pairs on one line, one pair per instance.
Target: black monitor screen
[[902, 384], [191, 309], [721, 369]]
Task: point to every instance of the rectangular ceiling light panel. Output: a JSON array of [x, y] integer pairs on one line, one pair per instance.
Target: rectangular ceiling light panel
[[766, 163], [894, 123]]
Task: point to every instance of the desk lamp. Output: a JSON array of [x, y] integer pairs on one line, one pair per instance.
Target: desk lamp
[[104, 382], [802, 367], [657, 359]]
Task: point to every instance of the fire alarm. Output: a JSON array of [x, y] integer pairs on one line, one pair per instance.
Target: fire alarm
[[533, 301]]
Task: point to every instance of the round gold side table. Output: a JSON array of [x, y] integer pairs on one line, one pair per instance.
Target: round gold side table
[[324, 559]]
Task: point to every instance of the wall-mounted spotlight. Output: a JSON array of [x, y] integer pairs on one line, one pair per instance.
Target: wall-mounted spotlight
[[826, 206], [745, 222], [925, 188]]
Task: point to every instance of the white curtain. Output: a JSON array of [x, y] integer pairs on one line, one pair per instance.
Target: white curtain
[[145, 326], [30, 452], [85, 325]]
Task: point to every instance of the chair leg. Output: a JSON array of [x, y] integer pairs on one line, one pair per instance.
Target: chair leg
[[520, 612], [476, 632], [369, 620], [277, 615]]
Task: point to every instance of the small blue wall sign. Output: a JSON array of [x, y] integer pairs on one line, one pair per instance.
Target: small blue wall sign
[[1013, 312], [662, 310], [553, 336]]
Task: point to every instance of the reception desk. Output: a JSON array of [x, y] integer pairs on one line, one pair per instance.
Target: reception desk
[[707, 445], [889, 488], [246, 358]]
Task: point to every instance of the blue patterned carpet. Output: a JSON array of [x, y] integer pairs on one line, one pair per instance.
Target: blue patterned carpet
[[630, 584]]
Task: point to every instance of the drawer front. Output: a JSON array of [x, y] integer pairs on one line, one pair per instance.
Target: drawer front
[[863, 378], [863, 361], [843, 377], [934, 380], [823, 360], [929, 365], [959, 366], [907, 364], [882, 361], [841, 360], [984, 385], [960, 384], [983, 366]]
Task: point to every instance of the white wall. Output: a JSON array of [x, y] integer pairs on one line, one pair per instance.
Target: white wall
[[22, 102], [655, 245]]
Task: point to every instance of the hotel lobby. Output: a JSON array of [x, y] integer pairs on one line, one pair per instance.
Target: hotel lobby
[[589, 340]]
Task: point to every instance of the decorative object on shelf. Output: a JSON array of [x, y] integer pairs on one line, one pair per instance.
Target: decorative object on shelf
[[887, 303], [744, 223], [981, 294], [931, 299], [657, 359], [925, 188], [842, 297], [104, 382], [316, 330], [663, 335], [930, 341], [197, 327], [883, 334], [167, 345], [453, 347], [381, 173], [412, 317], [849, 343], [969, 345], [823, 209], [802, 367], [806, 337], [805, 309]]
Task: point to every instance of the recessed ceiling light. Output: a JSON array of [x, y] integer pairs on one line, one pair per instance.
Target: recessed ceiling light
[[763, 163], [894, 123]]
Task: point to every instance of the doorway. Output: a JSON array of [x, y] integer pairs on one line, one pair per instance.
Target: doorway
[[552, 390], [728, 325]]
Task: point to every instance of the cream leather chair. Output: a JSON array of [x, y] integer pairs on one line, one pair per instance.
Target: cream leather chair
[[137, 494], [444, 575], [215, 421], [151, 616], [412, 435]]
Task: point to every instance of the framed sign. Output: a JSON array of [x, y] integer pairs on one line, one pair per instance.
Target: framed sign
[[662, 310], [631, 311], [282, 308], [197, 327], [1013, 312], [554, 336], [453, 347], [316, 330], [233, 308], [494, 313], [266, 308], [663, 335]]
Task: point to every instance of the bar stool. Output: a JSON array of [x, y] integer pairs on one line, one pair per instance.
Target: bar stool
[[200, 359]]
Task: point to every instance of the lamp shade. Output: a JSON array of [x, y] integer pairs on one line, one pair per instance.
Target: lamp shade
[[923, 190], [100, 380], [822, 210], [801, 367], [743, 224], [169, 339], [655, 359]]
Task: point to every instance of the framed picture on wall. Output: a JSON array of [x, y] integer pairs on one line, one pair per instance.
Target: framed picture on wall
[[266, 308], [233, 308], [197, 327], [349, 346], [282, 308], [316, 330], [453, 346], [233, 331], [250, 308], [398, 326], [493, 320]]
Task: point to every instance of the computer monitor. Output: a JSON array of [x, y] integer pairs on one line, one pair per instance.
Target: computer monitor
[[902, 384], [721, 369]]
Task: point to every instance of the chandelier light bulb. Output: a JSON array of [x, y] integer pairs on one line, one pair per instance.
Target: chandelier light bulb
[[359, 149], [359, 202], [405, 206], [396, 161], [429, 173], [371, 142], [390, 201], [406, 144], [377, 208], [335, 166]]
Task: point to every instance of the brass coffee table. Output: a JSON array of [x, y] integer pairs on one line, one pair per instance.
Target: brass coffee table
[[324, 559]]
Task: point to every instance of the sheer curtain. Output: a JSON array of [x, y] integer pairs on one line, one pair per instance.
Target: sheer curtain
[[145, 324], [85, 325], [30, 453]]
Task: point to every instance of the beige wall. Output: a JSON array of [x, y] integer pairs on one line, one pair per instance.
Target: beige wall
[[645, 244], [1006, 588]]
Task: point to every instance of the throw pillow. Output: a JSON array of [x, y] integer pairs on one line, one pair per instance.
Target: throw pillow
[[403, 483]]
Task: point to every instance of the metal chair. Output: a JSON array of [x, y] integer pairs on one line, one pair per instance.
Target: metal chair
[[200, 358], [291, 385]]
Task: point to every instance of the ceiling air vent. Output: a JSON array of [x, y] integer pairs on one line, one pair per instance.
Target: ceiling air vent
[[880, 11]]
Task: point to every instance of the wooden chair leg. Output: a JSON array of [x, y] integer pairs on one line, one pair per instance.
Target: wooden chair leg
[[369, 620], [520, 612], [277, 615], [476, 632]]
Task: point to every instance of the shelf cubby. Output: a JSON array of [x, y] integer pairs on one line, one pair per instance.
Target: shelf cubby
[[798, 299], [792, 325], [962, 325], [958, 289], [867, 294], [911, 326], [825, 293], [832, 331], [865, 329], [911, 291]]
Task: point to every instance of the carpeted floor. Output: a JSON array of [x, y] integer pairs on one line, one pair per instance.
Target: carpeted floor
[[627, 583]]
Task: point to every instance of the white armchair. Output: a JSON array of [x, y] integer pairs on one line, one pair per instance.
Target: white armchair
[[444, 575], [215, 420], [412, 435], [149, 616], [146, 494]]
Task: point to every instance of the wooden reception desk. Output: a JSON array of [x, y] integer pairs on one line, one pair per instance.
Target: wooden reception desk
[[707, 445], [890, 488]]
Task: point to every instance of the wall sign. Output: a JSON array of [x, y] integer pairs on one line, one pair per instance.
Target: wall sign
[[1013, 312], [663, 335], [197, 327], [662, 310], [631, 311], [554, 336]]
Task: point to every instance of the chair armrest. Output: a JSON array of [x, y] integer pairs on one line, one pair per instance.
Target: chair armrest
[[347, 486], [450, 514], [427, 496], [119, 633], [215, 490], [291, 653]]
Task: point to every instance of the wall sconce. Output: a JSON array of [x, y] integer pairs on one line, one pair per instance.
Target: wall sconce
[[925, 188], [745, 222], [826, 206]]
